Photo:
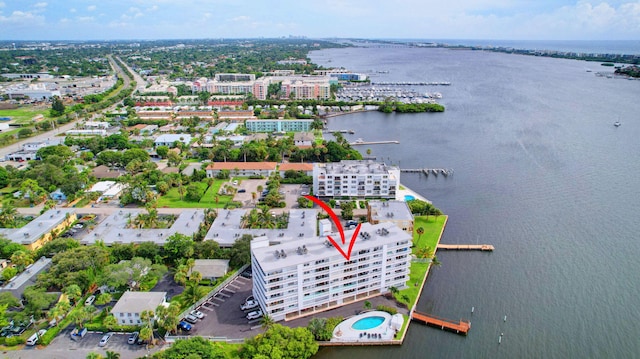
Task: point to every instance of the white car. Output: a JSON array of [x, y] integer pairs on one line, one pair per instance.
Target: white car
[[105, 339], [197, 314], [249, 304], [254, 315], [191, 319]]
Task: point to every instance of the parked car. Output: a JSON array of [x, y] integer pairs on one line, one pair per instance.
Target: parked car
[[254, 315], [242, 190], [197, 314], [184, 326], [250, 304], [90, 300], [133, 337], [191, 319], [105, 339]]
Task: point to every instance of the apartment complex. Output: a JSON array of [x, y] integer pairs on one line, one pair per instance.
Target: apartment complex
[[359, 179], [308, 275], [41, 230], [299, 125], [298, 87]]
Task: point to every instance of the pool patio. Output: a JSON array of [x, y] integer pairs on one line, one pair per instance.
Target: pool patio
[[345, 332]]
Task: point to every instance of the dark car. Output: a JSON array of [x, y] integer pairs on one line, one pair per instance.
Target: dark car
[[184, 326], [242, 190]]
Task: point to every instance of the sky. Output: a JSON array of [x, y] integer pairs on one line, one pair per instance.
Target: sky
[[400, 19]]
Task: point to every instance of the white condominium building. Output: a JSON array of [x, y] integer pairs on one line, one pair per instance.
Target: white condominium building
[[361, 179], [308, 275]]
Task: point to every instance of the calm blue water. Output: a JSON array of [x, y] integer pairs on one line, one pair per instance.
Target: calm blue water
[[542, 174], [627, 47], [367, 323]]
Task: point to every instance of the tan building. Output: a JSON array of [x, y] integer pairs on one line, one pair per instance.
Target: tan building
[[396, 212], [42, 229]]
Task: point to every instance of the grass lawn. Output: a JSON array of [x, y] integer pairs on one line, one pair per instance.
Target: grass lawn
[[172, 198], [432, 229], [24, 115]]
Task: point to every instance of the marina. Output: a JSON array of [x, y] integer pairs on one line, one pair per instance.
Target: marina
[[385, 83], [356, 93]]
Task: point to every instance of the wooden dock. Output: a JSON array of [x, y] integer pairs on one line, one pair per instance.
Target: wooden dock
[[427, 171], [466, 247], [359, 143], [460, 327]]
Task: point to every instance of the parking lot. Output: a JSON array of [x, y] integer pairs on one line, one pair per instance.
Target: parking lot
[[63, 347], [223, 317]]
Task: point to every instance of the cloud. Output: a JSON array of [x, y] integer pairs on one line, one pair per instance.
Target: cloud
[[40, 5], [85, 18], [91, 8], [2, 4], [72, 10], [241, 18], [152, 8], [132, 13], [22, 18]]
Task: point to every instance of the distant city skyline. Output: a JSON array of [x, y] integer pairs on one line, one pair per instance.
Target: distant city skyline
[[458, 19]]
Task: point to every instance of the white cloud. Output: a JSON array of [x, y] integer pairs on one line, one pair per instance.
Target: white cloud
[[2, 4], [85, 18], [152, 8], [40, 5], [91, 8], [22, 17], [241, 18], [72, 10]]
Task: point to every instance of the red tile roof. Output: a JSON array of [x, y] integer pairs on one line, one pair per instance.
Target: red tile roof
[[242, 166], [296, 167]]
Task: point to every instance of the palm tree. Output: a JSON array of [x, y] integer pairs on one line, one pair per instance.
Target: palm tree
[[8, 215], [424, 252], [93, 355], [195, 277], [435, 261], [112, 355], [420, 232], [266, 322], [146, 333], [191, 293]]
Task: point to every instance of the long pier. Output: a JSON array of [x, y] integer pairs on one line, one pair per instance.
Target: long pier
[[460, 327], [358, 143], [341, 131], [427, 171], [466, 247]]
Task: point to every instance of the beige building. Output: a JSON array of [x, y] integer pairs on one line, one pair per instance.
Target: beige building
[[42, 229]]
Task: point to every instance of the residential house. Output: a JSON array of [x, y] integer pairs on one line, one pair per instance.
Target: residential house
[[396, 212], [303, 139], [306, 168], [169, 139]]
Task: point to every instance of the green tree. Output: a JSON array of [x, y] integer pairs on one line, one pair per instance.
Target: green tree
[[280, 342], [420, 232], [266, 322], [195, 347], [8, 215], [162, 151], [194, 193], [178, 246], [57, 107], [94, 355], [8, 299], [73, 292], [112, 355], [240, 252]]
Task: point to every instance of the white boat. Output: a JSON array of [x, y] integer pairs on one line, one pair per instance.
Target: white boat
[[617, 124]]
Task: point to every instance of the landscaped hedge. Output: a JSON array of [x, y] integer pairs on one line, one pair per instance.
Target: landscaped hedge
[[384, 308], [99, 327]]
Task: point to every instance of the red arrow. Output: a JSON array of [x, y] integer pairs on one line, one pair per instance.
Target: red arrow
[[336, 221]]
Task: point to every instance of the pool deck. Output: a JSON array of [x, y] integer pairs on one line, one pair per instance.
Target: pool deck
[[405, 191], [344, 332]]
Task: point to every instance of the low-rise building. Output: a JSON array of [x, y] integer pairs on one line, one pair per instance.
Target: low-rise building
[[244, 169], [267, 125], [303, 139], [41, 230], [396, 212], [306, 168], [210, 269], [169, 139], [129, 308]]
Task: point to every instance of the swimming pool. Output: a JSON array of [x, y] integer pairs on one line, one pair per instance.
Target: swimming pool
[[408, 197], [368, 323]]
